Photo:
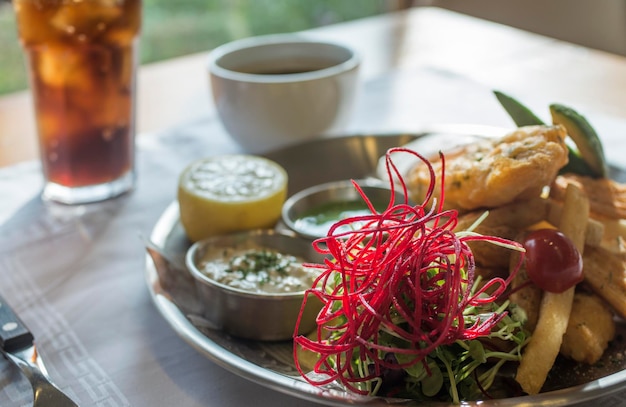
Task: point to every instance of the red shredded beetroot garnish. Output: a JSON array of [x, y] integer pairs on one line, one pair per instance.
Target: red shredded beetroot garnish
[[406, 263]]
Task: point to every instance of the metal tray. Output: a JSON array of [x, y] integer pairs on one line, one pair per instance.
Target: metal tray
[[270, 364]]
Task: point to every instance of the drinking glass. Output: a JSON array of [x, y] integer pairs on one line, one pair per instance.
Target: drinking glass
[[82, 58]]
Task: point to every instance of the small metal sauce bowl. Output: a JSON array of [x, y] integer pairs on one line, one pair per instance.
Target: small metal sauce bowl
[[302, 202], [249, 315]]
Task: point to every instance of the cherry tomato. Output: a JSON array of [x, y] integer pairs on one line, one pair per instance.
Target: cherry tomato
[[552, 261]]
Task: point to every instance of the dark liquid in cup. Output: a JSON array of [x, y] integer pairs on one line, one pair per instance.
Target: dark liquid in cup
[[287, 67], [82, 61], [280, 71]]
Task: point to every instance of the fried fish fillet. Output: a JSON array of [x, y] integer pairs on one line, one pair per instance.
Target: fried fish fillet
[[494, 172]]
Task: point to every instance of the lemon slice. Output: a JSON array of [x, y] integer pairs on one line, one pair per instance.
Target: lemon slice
[[230, 193]]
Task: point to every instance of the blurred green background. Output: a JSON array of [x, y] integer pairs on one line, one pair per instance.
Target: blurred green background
[[179, 27]]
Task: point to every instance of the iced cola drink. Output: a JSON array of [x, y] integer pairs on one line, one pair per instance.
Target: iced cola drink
[[82, 59]]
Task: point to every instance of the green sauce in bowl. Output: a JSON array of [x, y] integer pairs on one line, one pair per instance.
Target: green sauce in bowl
[[311, 212], [318, 220]]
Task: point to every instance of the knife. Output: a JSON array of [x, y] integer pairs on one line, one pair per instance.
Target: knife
[[18, 345]]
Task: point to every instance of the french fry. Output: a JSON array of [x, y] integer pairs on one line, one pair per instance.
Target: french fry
[[594, 230], [605, 273], [574, 216], [545, 343]]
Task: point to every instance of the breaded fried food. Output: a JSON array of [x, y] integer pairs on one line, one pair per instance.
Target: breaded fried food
[[606, 197], [487, 254], [524, 293], [605, 273], [590, 329], [491, 173], [505, 221]]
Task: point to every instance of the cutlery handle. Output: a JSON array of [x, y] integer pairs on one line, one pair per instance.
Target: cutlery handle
[[14, 335]]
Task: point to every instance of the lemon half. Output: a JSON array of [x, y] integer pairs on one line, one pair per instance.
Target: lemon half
[[230, 193]]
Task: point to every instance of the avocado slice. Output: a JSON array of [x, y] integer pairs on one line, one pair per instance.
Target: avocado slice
[[584, 136], [576, 164], [521, 115]]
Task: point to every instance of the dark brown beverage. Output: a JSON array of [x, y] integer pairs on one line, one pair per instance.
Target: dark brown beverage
[[287, 67], [82, 63]]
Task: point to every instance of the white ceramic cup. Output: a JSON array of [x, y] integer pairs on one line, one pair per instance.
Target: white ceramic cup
[[277, 90]]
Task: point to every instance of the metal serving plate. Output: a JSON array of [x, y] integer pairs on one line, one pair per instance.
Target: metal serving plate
[[270, 364]]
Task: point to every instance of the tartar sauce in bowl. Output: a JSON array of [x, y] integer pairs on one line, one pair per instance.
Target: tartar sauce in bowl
[[258, 269], [252, 284]]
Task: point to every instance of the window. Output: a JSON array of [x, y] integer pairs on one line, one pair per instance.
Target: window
[[174, 28]]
